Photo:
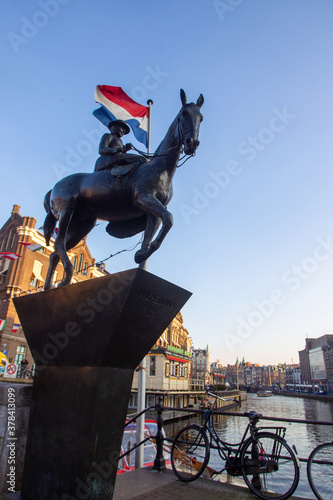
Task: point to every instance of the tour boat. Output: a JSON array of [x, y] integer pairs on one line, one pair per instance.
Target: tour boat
[[264, 394]]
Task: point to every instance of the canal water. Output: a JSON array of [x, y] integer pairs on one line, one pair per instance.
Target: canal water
[[304, 436]]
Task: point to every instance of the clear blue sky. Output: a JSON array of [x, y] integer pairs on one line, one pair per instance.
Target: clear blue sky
[[253, 232]]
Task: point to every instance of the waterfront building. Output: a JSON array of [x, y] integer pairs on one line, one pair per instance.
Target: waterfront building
[[217, 373], [200, 367], [252, 376], [27, 273], [168, 370], [293, 374], [316, 362]]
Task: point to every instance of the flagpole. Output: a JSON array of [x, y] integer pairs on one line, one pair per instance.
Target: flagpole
[[150, 103], [140, 429]]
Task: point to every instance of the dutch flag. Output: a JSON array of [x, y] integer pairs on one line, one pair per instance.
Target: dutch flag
[[117, 105]]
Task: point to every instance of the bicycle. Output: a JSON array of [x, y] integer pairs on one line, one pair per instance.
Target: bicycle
[[269, 466], [320, 471], [26, 373]]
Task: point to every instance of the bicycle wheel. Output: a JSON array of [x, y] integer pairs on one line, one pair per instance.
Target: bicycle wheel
[[320, 471], [189, 453], [269, 466]]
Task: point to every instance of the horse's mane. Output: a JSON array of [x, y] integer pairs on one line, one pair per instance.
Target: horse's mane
[[156, 153]]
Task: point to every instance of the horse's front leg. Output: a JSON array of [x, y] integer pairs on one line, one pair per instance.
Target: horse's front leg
[[151, 228], [152, 206]]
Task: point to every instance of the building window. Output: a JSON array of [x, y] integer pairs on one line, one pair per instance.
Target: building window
[[33, 281], [3, 272], [20, 353], [3, 243], [55, 276], [85, 267], [152, 366], [9, 239], [133, 402], [151, 400], [75, 263], [182, 371], [173, 369], [81, 263], [13, 240]]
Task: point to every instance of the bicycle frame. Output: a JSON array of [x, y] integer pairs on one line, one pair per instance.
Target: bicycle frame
[[230, 452]]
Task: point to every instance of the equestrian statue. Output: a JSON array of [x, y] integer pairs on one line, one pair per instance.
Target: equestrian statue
[[128, 191]]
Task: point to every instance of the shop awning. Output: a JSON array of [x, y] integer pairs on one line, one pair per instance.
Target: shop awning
[[178, 359], [37, 270]]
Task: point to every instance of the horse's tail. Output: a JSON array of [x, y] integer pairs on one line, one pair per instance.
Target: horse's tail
[[50, 221]]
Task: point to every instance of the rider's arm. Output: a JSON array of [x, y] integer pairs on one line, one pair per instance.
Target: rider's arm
[[127, 147], [104, 146]]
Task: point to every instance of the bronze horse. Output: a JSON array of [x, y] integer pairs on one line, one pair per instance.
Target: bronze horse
[[132, 203]]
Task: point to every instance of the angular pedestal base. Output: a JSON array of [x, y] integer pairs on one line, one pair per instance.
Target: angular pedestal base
[[74, 438], [86, 340]]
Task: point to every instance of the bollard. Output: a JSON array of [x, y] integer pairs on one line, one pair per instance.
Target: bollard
[[159, 462]]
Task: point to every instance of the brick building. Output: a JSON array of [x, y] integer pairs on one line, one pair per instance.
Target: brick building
[[27, 274]]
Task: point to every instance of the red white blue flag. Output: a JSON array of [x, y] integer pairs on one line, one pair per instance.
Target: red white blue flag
[[34, 247], [9, 255], [117, 105], [16, 326]]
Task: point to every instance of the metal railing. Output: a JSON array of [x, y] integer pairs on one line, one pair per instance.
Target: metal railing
[[159, 462]]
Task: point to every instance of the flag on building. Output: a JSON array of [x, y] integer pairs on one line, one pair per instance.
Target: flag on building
[[117, 105], [9, 255], [34, 247], [2, 324], [16, 326]]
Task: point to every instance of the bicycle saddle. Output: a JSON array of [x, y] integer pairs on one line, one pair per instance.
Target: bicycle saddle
[[253, 415]]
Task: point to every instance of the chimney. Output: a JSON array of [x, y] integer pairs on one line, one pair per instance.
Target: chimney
[[29, 221], [16, 209]]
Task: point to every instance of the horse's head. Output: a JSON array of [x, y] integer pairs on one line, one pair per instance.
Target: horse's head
[[189, 120]]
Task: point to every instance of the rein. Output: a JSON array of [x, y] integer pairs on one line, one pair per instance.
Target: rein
[[152, 155], [169, 151]]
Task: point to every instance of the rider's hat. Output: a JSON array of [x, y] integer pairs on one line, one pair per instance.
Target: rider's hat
[[122, 124]]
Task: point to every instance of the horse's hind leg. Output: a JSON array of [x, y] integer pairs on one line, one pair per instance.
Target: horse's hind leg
[[59, 246], [76, 232], [53, 262]]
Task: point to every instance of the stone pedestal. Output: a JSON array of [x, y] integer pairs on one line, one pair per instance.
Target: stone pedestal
[[86, 340]]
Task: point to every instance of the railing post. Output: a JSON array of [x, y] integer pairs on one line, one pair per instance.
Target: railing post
[[159, 462]]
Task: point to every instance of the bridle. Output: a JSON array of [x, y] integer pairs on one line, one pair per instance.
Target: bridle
[[170, 150]]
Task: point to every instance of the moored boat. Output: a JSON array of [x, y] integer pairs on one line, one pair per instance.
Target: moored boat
[[264, 394], [127, 462]]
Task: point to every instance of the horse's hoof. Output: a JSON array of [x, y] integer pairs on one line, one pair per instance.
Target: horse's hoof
[[140, 256], [63, 283]]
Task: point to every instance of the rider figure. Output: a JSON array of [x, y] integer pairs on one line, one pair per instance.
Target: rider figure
[[112, 150]]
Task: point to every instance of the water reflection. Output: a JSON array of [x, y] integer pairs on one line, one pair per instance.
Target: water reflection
[[304, 436]]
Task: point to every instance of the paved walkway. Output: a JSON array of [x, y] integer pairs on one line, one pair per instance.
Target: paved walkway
[[147, 484]]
